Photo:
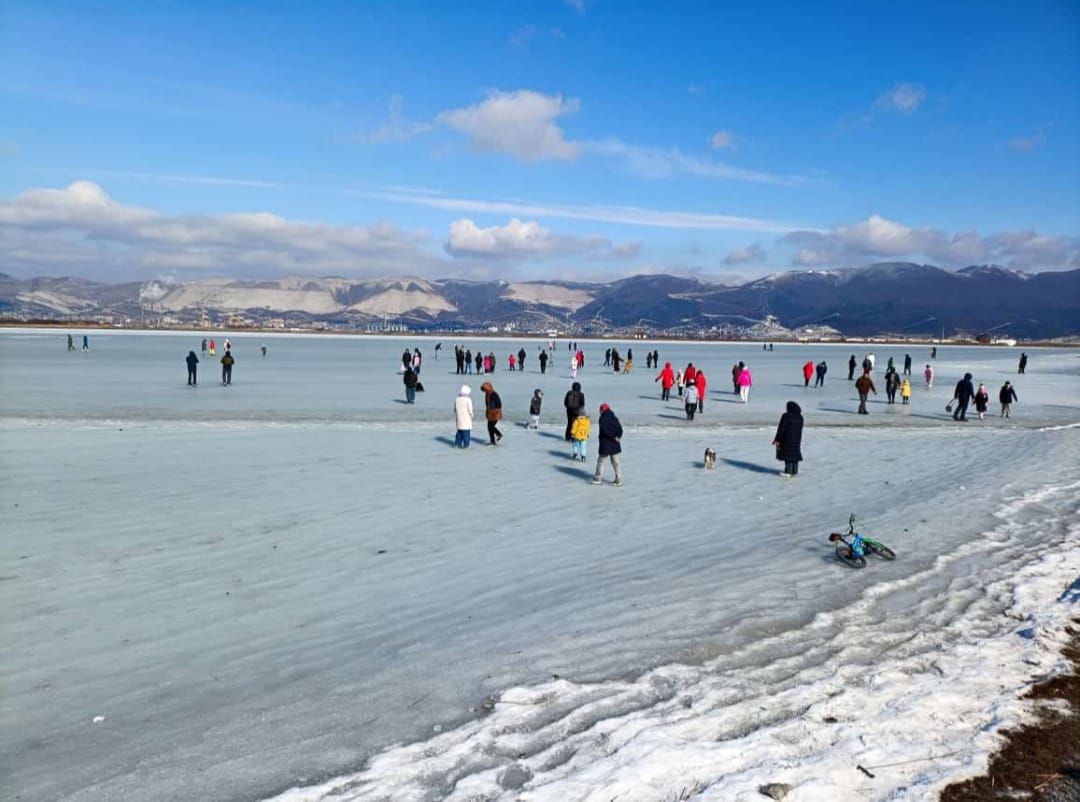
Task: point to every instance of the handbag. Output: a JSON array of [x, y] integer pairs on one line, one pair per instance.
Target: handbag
[[948, 407]]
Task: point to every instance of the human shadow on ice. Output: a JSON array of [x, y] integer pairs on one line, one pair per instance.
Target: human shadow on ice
[[552, 435], [748, 466], [446, 440], [561, 454], [672, 417], [580, 473], [400, 401]]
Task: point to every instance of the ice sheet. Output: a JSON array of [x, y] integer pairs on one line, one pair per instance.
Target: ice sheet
[[271, 583]]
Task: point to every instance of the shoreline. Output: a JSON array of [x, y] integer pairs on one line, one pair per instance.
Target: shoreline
[[62, 326], [1038, 760]]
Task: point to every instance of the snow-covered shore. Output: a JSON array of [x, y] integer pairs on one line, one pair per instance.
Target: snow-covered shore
[[275, 583]]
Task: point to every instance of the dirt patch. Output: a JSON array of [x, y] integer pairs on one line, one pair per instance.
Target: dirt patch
[[1038, 761]]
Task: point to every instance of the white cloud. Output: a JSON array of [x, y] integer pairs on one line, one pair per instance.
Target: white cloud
[[751, 254], [397, 128], [577, 5], [521, 123], [904, 98], [83, 230], [529, 239], [877, 238], [656, 163], [624, 215], [722, 140]]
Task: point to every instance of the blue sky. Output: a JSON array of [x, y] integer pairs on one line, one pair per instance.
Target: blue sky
[[586, 139]]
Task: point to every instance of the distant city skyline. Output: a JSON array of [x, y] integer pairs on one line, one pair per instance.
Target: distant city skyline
[[582, 139]]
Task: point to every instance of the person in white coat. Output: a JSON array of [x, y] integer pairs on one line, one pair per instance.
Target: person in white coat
[[463, 417]]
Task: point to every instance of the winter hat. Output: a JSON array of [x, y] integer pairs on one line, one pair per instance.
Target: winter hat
[[465, 390], [604, 407], [538, 392]]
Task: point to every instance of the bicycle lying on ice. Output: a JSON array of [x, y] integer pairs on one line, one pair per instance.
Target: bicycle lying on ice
[[852, 548]]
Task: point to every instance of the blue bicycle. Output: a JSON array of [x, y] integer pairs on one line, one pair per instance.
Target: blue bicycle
[[852, 548]]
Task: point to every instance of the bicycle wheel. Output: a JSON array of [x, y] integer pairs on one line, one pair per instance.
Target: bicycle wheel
[[879, 549], [848, 557]]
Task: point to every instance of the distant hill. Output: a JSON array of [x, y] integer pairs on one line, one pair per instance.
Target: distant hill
[[896, 298]]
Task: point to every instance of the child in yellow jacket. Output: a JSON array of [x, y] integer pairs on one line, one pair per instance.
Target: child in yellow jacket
[[905, 392], [579, 436]]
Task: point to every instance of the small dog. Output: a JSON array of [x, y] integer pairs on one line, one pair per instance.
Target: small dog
[[710, 459]]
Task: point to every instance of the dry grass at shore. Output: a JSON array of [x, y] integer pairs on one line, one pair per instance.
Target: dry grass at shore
[[1038, 761]]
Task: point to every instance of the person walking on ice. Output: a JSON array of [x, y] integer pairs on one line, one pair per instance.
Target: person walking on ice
[[690, 400], [746, 381], [788, 440], [864, 385], [579, 437], [85, 343], [463, 417], [192, 368], [493, 413], [928, 374], [905, 392], [534, 408], [71, 343], [227, 363], [982, 401], [667, 380], [610, 445], [1007, 397]]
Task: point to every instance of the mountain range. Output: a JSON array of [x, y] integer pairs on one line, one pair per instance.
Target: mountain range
[[897, 298]]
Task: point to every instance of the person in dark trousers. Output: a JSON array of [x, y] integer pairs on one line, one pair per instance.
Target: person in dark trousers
[[851, 368], [962, 396], [907, 364], [574, 401], [204, 345], [610, 445], [1023, 363], [933, 352], [71, 343], [406, 358], [227, 363], [1007, 396], [521, 359], [493, 413], [192, 368], [543, 362], [821, 370], [892, 384], [85, 343], [864, 385], [788, 440], [409, 380], [479, 362]]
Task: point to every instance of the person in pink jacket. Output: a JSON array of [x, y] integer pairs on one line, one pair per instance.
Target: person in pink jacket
[[699, 380], [667, 381], [745, 382]]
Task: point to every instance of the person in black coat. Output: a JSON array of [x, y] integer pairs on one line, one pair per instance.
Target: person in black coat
[[192, 368], [610, 445], [788, 440], [410, 381], [962, 396], [574, 401], [851, 368]]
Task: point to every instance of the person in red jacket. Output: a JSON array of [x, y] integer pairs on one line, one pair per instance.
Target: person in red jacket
[[690, 374], [699, 380], [808, 372], [667, 381]]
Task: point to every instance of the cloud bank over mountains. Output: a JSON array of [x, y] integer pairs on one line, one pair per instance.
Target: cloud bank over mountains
[[80, 230]]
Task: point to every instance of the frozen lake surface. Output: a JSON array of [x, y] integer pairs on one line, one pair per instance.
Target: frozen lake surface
[[295, 582]]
